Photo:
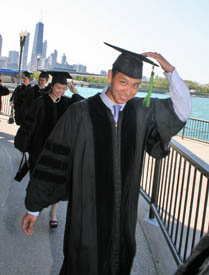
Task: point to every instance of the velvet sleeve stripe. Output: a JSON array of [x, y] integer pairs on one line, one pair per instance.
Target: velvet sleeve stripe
[[57, 148], [53, 163], [49, 177]]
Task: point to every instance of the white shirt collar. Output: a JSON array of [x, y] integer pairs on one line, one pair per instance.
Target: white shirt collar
[[107, 101]]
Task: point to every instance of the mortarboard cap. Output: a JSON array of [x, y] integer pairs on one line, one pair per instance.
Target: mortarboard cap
[[130, 63], [59, 77], [44, 74], [26, 74]]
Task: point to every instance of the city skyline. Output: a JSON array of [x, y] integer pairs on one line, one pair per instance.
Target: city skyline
[[177, 30], [39, 59]]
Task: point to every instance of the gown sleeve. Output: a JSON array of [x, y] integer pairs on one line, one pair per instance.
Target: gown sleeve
[[22, 140], [12, 97], [50, 180], [4, 90], [163, 126]]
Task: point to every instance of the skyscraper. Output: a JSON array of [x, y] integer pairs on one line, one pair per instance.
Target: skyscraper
[[1, 40], [64, 59], [53, 59], [25, 52], [37, 45], [44, 49], [13, 60]]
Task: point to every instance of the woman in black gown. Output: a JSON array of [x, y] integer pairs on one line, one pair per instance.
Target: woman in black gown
[[40, 121]]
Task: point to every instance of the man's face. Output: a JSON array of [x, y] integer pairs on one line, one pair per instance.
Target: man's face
[[42, 82], [122, 88], [26, 80], [58, 89]]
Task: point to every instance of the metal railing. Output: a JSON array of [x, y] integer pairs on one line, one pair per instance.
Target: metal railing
[[196, 129], [5, 106], [177, 189]]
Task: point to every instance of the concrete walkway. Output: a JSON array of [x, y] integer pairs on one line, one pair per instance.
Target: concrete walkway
[[200, 149], [41, 254]]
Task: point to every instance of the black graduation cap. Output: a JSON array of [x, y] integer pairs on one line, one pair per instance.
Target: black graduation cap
[[59, 77], [130, 63], [26, 74], [44, 74]]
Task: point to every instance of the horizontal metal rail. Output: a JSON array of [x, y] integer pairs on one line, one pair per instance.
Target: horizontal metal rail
[[196, 129]]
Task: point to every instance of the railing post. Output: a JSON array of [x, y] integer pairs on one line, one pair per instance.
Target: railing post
[[183, 132], [155, 186]]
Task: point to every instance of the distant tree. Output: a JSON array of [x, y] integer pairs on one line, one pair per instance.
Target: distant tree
[[192, 85], [160, 83], [201, 88], [204, 88]]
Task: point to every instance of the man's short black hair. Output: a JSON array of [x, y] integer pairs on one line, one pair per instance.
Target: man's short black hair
[[44, 74], [114, 72]]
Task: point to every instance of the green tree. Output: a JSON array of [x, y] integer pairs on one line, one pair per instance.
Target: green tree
[[160, 83]]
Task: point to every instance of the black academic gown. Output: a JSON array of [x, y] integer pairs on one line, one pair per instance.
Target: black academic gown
[[31, 94], [18, 98], [38, 124], [3, 91], [99, 166]]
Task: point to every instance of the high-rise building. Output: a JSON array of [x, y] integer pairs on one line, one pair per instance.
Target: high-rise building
[[1, 40], [3, 62], [102, 72], [25, 52], [80, 68], [64, 59], [53, 59], [37, 45], [44, 49], [13, 60]]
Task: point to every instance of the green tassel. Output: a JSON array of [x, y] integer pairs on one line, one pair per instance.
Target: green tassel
[[146, 100]]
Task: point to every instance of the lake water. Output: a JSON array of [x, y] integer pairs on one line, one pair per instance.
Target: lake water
[[200, 106]]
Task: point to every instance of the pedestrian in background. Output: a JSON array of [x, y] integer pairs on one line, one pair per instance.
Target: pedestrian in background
[[18, 98], [41, 88], [39, 121], [3, 90], [198, 262]]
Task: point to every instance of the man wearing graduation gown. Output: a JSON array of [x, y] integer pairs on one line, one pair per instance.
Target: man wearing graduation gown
[[35, 91], [97, 161], [18, 97]]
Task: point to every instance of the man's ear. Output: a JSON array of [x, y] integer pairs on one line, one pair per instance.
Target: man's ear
[[109, 75]]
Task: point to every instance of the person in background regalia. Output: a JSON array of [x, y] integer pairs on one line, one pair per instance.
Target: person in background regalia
[[31, 93], [17, 98], [41, 119], [95, 155], [3, 90], [198, 262]]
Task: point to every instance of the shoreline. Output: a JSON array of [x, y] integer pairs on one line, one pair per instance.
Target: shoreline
[[12, 86]]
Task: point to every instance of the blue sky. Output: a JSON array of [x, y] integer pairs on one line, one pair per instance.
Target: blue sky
[[177, 29]]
